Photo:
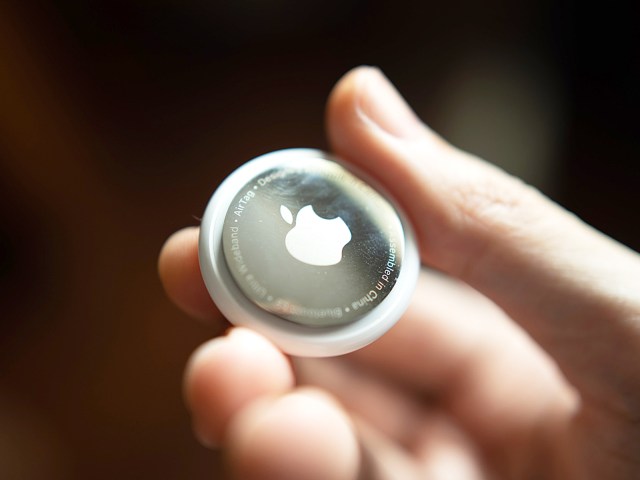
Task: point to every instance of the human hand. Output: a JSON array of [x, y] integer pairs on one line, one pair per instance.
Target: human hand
[[519, 361]]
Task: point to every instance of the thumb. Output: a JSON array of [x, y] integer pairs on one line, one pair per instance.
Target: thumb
[[569, 286]]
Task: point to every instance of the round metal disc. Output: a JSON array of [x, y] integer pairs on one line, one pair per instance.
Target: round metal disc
[[311, 243]]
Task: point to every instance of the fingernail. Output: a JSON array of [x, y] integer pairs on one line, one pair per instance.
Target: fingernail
[[380, 103]]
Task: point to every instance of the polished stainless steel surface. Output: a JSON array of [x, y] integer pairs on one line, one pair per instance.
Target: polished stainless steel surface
[[312, 243]]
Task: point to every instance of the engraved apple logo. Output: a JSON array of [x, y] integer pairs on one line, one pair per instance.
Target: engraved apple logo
[[315, 240]]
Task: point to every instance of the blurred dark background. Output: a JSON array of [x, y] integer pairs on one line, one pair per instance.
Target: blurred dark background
[[119, 118]]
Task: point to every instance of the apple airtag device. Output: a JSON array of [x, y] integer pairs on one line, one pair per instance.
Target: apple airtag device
[[296, 245]]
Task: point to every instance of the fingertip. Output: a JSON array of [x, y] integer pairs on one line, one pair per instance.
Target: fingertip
[[179, 271], [341, 110], [304, 434], [344, 91], [175, 244], [226, 373]]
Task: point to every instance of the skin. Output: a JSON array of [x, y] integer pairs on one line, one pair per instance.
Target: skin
[[517, 359]]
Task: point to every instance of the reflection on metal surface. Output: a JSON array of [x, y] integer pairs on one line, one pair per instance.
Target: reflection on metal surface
[[312, 243]]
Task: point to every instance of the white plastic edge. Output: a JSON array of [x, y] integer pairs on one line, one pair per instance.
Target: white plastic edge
[[290, 337]]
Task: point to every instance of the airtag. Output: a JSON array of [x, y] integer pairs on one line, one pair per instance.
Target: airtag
[[300, 248]]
